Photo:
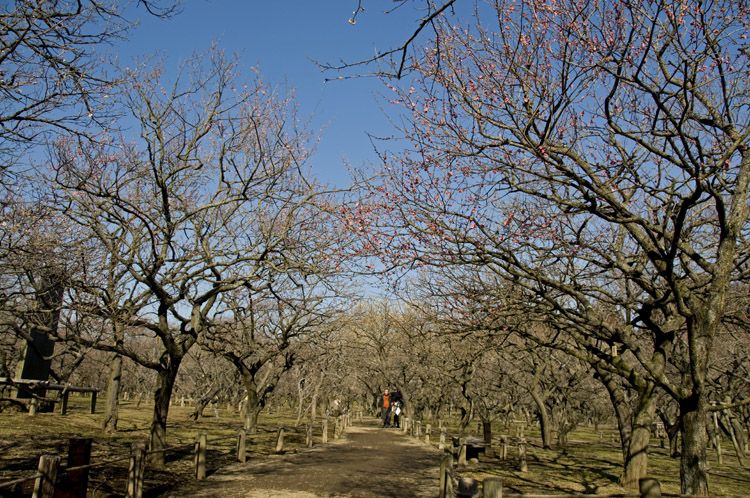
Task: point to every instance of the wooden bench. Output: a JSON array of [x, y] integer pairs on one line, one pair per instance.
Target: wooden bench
[[474, 446]]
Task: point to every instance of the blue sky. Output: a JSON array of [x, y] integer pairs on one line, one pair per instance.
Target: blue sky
[[278, 36]]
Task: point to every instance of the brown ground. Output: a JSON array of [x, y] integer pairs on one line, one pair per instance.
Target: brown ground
[[368, 461]]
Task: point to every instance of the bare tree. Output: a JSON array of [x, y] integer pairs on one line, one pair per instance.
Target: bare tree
[[200, 205]]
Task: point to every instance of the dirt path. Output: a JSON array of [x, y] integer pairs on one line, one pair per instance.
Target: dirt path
[[367, 461]]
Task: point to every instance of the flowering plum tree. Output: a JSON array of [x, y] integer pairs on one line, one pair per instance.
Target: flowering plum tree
[[52, 77], [599, 152]]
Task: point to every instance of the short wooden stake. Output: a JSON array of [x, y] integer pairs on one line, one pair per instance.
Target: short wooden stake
[[441, 446], [522, 465], [93, 402], [200, 456], [446, 469], [324, 436], [280, 440], [136, 470], [309, 434], [242, 445], [73, 483], [462, 452], [64, 402], [492, 487], [44, 486]]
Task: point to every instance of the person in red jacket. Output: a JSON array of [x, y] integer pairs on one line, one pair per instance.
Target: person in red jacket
[[385, 403]]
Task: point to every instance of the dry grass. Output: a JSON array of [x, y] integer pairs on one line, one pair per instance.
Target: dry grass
[[585, 465], [588, 465], [23, 439]]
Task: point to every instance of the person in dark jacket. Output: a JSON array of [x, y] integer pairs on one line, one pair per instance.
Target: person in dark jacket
[[397, 406]]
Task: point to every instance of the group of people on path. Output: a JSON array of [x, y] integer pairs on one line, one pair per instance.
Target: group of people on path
[[391, 403]]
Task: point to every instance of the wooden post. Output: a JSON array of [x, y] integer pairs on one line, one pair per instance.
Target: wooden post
[[200, 456], [418, 430], [522, 466], [324, 436], [487, 436], [446, 469], [492, 487], [93, 402], [73, 484], [136, 470], [467, 487], [462, 452], [309, 433], [32, 407], [44, 486], [64, 402], [427, 430], [649, 488], [405, 425], [503, 448], [241, 445], [280, 440], [441, 446]]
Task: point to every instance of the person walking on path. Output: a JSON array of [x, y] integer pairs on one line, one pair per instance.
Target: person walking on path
[[397, 406], [385, 403]]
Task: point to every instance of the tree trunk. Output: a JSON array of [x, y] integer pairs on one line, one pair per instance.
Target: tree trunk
[[621, 407], [545, 424], [693, 460], [730, 429], [314, 402], [164, 385], [251, 419], [111, 408], [672, 428], [252, 408], [636, 456]]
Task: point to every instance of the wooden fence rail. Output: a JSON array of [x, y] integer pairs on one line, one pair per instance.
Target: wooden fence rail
[[30, 385]]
